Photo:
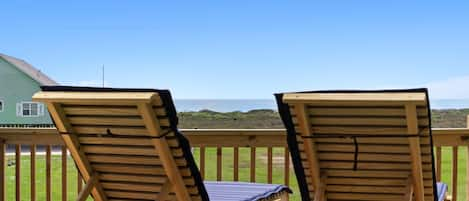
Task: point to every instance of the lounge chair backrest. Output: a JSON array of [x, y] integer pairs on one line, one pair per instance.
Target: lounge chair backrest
[[125, 142], [360, 145]]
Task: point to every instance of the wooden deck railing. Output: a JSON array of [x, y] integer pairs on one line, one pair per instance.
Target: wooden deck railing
[[221, 140], [202, 139], [253, 139]]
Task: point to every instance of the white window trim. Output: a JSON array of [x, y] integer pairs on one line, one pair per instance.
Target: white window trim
[[19, 109], [3, 105]]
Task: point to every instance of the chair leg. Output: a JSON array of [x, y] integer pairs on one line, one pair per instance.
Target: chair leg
[[281, 197], [320, 193], [90, 184], [284, 197], [409, 189], [165, 190]]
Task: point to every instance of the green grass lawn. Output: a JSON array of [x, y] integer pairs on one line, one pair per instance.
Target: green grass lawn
[[261, 172]]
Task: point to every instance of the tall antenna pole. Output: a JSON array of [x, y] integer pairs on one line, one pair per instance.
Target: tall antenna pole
[[103, 75]]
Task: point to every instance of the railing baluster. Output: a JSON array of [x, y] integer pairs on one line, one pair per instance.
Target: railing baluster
[[287, 167], [451, 137], [467, 174], [219, 164], [33, 172], [2, 170], [438, 164], [235, 164], [18, 172], [253, 164], [269, 165], [48, 173], [64, 173], [454, 180], [467, 163], [202, 161]]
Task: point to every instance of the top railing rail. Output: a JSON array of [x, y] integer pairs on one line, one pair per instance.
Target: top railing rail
[[218, 137], [229, 140]]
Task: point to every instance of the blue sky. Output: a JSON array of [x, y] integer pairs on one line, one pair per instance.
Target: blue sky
[[245, 49]]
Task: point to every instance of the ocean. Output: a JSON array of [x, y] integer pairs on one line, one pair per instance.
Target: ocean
[[244, 105], [224, 105]]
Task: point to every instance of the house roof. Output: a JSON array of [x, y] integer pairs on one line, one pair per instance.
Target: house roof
[[29, 70]]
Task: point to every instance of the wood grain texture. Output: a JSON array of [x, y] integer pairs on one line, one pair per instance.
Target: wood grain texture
[[252, 167], [454, 174], [360, 167], [48, 173], [18, 172], [32, 176], [219, 163], [286, 169], [72, 143], [64, 173], [202, 162], [235, 164], [438, 164], [90, 183], [269, 165], [415, 151], [310, 148]]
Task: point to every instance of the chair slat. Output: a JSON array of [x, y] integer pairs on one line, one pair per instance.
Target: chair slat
[[363, 112], [142, 178]]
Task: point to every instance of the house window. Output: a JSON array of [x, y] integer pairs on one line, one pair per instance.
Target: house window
[[29, 109], [1, 105]]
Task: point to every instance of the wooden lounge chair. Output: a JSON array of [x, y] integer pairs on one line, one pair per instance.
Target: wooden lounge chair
[[361, 145], [126, 145]]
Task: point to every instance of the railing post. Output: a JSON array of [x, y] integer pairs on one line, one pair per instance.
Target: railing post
[[202, 161], [48, 174], [2, 170], [253, 164], [219, 163], [79, 180], [64, 173], [235, 164], [269, 165], [467, 163], [18, 172], [286, 166], [438, 164], [454, 178], [33, 172]]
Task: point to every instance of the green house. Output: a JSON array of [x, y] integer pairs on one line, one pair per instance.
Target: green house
[[18, 82]]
